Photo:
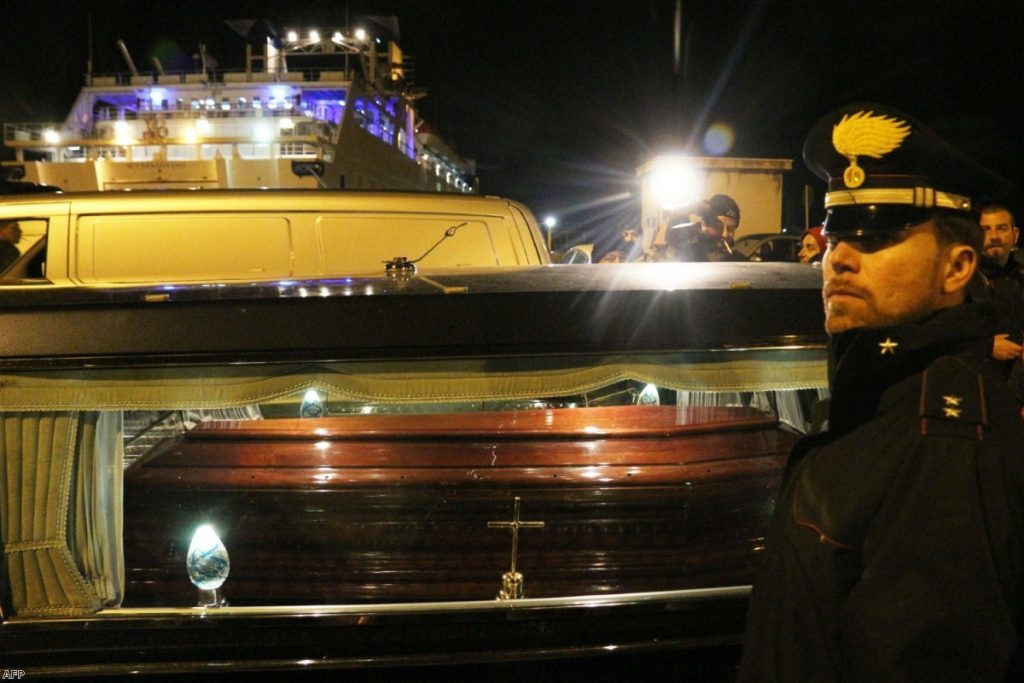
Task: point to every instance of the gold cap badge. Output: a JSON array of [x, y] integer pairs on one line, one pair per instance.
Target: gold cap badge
[[866, 134]]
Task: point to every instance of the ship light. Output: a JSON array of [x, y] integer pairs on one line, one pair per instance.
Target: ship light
[[51, 137], [286, 124], [262, 133], [190, 135], [203, 126], [292, 36], [314, 36], [337, 37], [123, 133], [208, 565], [157, 95], [360, 34]]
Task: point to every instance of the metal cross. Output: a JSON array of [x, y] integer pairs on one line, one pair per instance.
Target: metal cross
[[515, 525]]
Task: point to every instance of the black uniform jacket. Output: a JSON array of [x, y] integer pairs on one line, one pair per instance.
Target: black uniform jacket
[[895, 552]]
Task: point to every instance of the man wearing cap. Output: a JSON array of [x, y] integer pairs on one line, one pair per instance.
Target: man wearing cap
[[895, 551], [712, 238]]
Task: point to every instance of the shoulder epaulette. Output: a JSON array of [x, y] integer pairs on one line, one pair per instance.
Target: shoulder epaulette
[[953, 399]]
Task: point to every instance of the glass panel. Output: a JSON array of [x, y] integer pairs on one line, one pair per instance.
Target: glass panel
[[22, 250]]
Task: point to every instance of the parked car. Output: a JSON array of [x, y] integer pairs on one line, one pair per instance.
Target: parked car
[[471, 466], [218, 236], [580, 253], [771, 247]]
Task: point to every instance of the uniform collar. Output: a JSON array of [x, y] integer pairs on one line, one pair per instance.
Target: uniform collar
[[866, 362]]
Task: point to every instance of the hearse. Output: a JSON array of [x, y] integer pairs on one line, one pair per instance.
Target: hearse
[[569, 465]]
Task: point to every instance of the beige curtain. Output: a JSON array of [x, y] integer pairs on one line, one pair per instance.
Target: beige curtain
[[61, 482], [434, 381]]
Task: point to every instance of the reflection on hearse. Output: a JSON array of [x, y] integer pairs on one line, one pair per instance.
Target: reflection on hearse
[[608, 478]]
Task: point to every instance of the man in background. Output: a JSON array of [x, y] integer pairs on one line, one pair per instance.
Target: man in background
[[10, 235], [710, 239], [1006, 274]]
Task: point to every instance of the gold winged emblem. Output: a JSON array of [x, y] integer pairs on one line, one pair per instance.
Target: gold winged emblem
[[865, 134]]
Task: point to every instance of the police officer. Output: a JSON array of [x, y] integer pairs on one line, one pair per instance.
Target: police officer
[[895, 551]]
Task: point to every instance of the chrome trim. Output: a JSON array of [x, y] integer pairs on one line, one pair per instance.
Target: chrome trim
[[691, 594]]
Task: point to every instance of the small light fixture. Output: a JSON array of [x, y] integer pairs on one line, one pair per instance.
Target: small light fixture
[[312, 404], [208, 566]]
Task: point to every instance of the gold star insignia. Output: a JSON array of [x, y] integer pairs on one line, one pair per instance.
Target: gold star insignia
[[951, 412], [953, 401], [888, 346]]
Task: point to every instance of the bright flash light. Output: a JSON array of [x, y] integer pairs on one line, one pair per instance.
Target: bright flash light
[[314, 36], [203, 126], [292, 36], [286, 124], [337, 37], [550, 222], [262, 133], [51, 137], [190, 135], [675, 181], [157, 95], [360, 34]]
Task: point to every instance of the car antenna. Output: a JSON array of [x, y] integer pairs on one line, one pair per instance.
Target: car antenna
[[401, 264]]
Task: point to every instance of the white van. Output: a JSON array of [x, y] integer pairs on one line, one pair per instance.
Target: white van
[[169, 237]]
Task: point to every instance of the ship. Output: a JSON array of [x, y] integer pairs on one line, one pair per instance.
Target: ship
[[312, 110]]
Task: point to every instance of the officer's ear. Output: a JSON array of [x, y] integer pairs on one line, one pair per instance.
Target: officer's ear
[[961, 262]]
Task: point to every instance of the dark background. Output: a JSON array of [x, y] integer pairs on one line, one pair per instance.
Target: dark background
[[560, 101]]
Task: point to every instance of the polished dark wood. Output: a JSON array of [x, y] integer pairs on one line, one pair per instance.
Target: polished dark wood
[[396, 507]]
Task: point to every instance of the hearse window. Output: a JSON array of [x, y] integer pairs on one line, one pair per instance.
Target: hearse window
[[181, 248], [350, 242], [30, 268], [368, 482]]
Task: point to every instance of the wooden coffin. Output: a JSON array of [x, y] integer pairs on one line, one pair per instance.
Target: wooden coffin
[[386, 508]]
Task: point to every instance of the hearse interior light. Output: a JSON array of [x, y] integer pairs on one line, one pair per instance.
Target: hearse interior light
[[312, 404], [208, 565]]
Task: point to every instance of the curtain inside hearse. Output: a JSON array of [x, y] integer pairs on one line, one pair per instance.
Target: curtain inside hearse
[[60, 473], [61, 441]]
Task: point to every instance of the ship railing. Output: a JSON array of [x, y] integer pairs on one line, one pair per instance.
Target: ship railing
[[319, 75], [21, 133]]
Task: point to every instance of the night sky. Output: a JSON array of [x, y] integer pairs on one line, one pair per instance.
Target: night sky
[[560, 101]]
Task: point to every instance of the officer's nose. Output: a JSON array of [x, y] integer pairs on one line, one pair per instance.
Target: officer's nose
[[842, 257]]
